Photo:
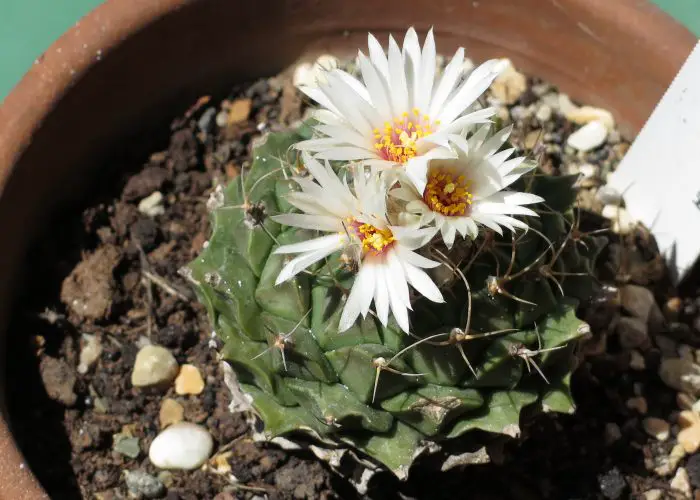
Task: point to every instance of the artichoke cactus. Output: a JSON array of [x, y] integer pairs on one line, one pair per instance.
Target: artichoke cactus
[[504, 338]]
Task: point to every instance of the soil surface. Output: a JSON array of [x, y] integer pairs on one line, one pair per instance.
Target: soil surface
[[104, 281]]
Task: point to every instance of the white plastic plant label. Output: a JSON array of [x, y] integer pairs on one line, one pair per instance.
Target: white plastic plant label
[[659, 177]]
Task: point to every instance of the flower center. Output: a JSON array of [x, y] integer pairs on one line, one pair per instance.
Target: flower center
[[373, 239], [397, 142], [447, 192]]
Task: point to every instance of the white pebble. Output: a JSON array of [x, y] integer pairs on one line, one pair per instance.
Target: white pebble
[[152, 204], [184, 446], [304, 75], [588, 171], [544, 113], [588, 137], [608, 195], [681, 482]]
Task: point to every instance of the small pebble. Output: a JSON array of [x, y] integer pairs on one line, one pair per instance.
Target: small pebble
[[685, 402], [632, 332], [171, 412], [657, 428], [152, 205], [239, 111], [544, 113], [612, 484], [670, 463], [155, 366], [680, 374], [655, 494], [126, 445], [612, 432], [608, 195], [588, 137], [564, 104], [637, 361], [666, 345], [189, 381], [587, 114], [142, 485], [692, 466], [509, 85], [689, 436], [90, 352], [638, 404], [681, 482], [222, 118], [181, 446]]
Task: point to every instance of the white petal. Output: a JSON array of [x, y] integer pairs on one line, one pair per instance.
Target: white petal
[[298, 264], [488, 221], [495, 208], [355, 84], [345, 134], [377, 56], [361, 290], [376, 86], [328, 243], [381, 297], [319, 95], [447, 83], [345, 153], [475, 117], [420, 280], [307, 221], [427, 69], [412, 57], [397, 79], [395, 272], [415, 259], [448, 234], [398, 308], [496, 141], [472, 228]]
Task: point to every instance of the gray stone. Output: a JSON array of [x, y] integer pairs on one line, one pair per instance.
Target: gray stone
[[142, 485], [632, 332]]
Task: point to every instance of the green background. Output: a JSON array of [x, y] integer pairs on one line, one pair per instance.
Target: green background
[[27, 28]]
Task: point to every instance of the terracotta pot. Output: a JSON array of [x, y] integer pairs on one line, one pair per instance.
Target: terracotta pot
[[129, 64]]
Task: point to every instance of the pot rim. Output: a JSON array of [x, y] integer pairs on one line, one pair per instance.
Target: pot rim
[[81, 47]]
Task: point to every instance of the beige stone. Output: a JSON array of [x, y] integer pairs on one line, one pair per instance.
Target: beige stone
[[681, 482], [639, 404], [155, 366], [587, 114], [657, 427], [509, 85], [189, 381], [689, 436], [171, 412]]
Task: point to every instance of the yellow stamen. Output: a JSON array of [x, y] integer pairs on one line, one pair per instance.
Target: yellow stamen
[[447, 193], [398, 141]]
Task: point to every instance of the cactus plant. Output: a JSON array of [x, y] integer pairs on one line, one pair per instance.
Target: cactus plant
[[503, 339]]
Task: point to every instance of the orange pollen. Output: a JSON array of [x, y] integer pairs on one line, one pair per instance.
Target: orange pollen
[[374, 240], [397, 141], [447, 193]]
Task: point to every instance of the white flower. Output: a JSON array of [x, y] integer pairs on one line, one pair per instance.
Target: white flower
[[358, 221], [457, 195], [400, 112]]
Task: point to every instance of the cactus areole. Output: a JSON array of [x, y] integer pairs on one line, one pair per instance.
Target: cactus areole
[[488, 324]]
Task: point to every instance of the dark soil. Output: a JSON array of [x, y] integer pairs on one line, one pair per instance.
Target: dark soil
[[86, 276]]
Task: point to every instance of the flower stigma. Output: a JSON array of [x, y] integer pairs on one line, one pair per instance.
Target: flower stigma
[[448, 193], [397, 141]]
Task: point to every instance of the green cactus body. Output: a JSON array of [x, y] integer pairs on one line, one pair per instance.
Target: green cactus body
[[351, 388]]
